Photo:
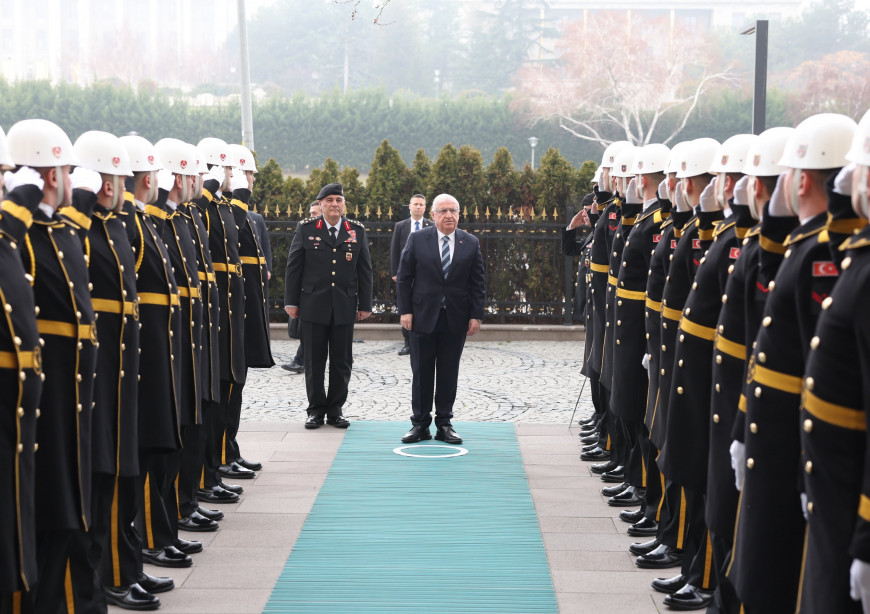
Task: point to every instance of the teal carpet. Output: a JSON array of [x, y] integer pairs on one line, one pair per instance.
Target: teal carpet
[[390, 533]]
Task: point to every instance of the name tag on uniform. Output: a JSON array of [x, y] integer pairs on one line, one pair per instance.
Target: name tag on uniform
[[735, 253], [696, 243], [825, 268]]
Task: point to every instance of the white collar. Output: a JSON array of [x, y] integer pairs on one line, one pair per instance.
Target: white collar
[[139, 204], [171, 204], [48, 210], [441, 235]]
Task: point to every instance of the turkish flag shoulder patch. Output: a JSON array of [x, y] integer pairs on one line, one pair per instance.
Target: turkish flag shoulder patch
[[825, 268], [696, 243], [735, 253]]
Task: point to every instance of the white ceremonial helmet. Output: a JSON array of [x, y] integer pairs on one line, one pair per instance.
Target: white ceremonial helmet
[[730, 158], [143, 158], [697, 157], [178, 157], [609, 156], [6, 162], [39, 143], [651, 159], [761, 161], [215, 151], [242, 158], [859, 154], [103, 153]]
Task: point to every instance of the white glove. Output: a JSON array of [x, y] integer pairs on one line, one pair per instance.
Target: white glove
[[680, 198], [238, 180], [741, 191], [631, 197], [843, 181], [217, 173], [859, 583], [778, 206], [804, 510], [708, 197], [86, 179], [165, 179], [662, 190], [645, 362], [23, 176], [738, 462]]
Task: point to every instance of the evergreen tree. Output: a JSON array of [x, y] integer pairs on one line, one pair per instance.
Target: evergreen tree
[[388, 183]]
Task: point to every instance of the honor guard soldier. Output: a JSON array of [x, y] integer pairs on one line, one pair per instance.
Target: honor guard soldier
[[628, 396], [688, 412], [602, 239], [833, 420], [739, 319], [691, 242], [21, 382], [54, 257], [258, 351], [224, 247], [159, 374], [770, 527], [328, 285], [98, 196]]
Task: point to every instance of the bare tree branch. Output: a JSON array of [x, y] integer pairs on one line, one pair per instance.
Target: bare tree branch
[[379, 6]]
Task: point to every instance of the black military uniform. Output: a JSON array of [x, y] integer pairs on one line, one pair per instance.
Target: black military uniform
[[115, 432], [739, 319], [21, 382], [53, 255], [159, 375], [833, 435], [329, 280], [770, 526], [223, 240], [258, 350]]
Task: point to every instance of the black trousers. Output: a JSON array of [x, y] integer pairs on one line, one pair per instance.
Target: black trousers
[[193, 437], [435, 368], [725, 600], [221, 423], [655, 483], [699, 546], [674, 522], [66, 578], [319, 342], [157, 517], [406, 335]]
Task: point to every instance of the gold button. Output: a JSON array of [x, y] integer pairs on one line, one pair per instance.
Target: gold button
[[771, 286], [619, 322], [694, 285], [847, 262], [333, 284], [750, 463], [333, 272], [724, 298], [811, 383], [716, 418], [810, 507], [721, 328], [664, 348], [663, 371], [619, 303], [79, 408], [680, 362], [766, 321], [35, 447], [730, 269], [617, 342], [718, 388], [762, 357], [20, 411], [8, 308], [758, 392], [682, 338], [808, 467], [814, 343], [753, 428], [38, 412], [333, 262], [21, 445], [679, 390], [788, 253], [664, 325], [78, 377], [808, 426], [688, 311], [827, 302], [718, 359]]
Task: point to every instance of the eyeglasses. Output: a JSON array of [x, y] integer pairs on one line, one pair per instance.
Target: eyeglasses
[[451, 211]]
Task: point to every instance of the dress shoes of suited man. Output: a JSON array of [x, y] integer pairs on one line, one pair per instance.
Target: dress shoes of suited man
[[237, 471], [196, 522], [168, 556]]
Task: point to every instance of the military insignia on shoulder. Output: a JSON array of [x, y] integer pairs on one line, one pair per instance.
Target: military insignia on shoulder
[[357, 223], [308, 219]]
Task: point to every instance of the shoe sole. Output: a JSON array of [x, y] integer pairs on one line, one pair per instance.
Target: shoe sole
[[162, 564], [197, 530], [312, 426], [454, 442], [157, 591], [676, 605], [641, 532], [238, 476], [666, 591], [622, 503], [126, 606], [647, 565], [612, 480], [208, 500]]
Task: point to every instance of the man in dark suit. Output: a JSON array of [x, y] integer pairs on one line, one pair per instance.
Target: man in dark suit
[[328, 286], [403, 229], [441, 289]]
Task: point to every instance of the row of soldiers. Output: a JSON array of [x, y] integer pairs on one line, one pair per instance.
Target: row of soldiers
[[133, 293], [729, 363]]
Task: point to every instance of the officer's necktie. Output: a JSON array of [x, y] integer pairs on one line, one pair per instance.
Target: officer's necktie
[[333, 232], [417, 225], [445, 264]]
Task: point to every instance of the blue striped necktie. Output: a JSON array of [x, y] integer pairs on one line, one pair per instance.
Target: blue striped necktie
[[417, 225], [445, 256]]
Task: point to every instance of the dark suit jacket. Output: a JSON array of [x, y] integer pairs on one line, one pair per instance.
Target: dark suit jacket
[[421, 284], [327, 279], [400, 236]]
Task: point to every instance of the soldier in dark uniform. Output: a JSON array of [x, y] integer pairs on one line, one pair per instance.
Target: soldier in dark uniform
[[53, 256], [770, 526], [688, 418], [99, 189], [603, 234], [628, 397], [691, 242], [740, 314], [258, 351], [223, 237], [21, 381], [833, 418], [328, 285]]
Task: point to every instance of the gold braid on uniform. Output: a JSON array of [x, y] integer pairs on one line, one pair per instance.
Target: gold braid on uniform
[[32, 258], [207, 221], [88, 251], [141, 255]]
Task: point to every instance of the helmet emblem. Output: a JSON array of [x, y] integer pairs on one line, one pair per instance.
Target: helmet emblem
[[56, 151], [624, 167], [223, 157], [183, 163], [116, 161], [640, 165], [756, 160], [242, 161], [724, 160], [150, 159], [802, 151], [683, 165]]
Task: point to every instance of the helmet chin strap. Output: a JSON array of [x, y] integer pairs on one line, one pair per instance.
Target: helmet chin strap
[[185, 189], [863, 197], [794, 190], [638, 187], [720, 190], [60, 190], [117, 192]]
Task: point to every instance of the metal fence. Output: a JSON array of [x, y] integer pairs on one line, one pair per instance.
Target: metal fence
[[528, 279]]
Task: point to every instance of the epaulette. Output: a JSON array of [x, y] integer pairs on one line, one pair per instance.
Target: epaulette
[[643, 216], [310, 219], [156, 212], [754, 231], [721, 226], [854, 243], [356, 223]]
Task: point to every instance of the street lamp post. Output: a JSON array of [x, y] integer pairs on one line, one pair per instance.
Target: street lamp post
[[759, 95], [533, 141]]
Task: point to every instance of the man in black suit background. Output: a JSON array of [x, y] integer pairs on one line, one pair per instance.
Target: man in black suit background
[[441, 289], [403, 229], [328, 286]]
